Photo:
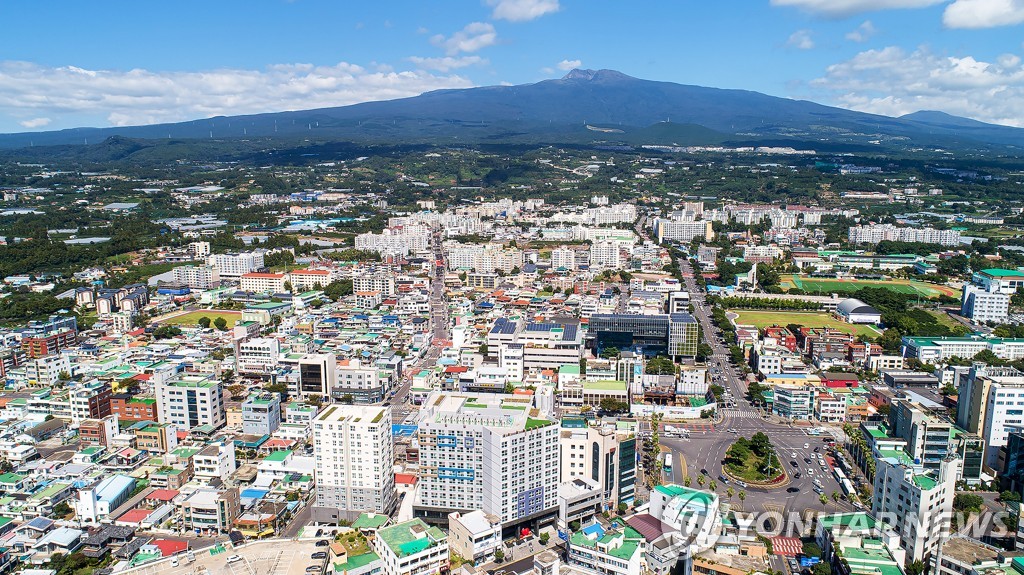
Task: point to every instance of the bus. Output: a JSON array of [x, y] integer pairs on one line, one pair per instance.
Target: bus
[[668, 463]]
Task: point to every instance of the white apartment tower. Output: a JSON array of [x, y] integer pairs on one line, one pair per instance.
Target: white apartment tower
[[354, 461], [234, 265], [919, 501]]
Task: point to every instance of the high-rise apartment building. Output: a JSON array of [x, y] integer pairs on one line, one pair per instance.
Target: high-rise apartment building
[[354, 460], [918, 501]]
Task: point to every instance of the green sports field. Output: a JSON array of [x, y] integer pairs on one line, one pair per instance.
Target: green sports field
[[826, 286], [192, 318], [765, 318]]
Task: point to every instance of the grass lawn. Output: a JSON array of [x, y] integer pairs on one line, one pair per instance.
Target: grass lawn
[[354, 542], [192, 317], [765, 318], [749, 470], [829, 285]]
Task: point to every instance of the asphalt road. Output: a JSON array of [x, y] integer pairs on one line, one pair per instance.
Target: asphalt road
[[402, 408], [706, 450]]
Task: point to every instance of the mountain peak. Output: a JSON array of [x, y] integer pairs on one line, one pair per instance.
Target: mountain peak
[[595, 75]]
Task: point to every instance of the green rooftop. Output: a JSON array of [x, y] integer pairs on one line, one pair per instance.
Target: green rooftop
[[405, 539], [532, 423], [860, 520], [605, 385], [364, 521], [673, 490], [1001, 273], [278, 455], [11, 478], [924, 482], [356, 561]]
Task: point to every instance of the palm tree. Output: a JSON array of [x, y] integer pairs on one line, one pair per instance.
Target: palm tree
[[712, 486], [687, 481], [743, 496], [823, 499], [835, 498], [700, 480]]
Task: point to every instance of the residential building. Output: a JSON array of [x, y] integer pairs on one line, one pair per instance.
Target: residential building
[[474, 536], [354, 455], [412, 548], [130, 408], [210, 510], [190, 401], [215, 461], [491, 452], [235, 265], [261, 414], [98, 431], [872, 234], [983, 306], [197, 277], [358, 382], [927, 434], [263, 282], [918, 501], [617, 550], [305, 280], [683, 231]]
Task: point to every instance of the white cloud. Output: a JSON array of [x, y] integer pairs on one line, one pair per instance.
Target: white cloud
[[892, 82], [801, 40], [841, 8], [447, 63], [569, 64], [72, 96], [983, 13], [521, 10], [863, 32], [35, 122], [475, 36]]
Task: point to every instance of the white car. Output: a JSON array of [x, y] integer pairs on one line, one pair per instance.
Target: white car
[[174, 562], [807, 445], [792, 455], [233, 559]]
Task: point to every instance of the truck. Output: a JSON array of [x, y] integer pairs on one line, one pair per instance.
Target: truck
[[673, 431]]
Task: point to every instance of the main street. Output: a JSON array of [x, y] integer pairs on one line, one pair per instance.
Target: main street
[[704, 451], [439, 325]]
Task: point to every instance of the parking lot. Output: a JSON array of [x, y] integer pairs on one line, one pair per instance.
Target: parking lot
[[269, 557]]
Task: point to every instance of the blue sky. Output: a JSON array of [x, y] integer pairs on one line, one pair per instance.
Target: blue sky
[[118, 63]]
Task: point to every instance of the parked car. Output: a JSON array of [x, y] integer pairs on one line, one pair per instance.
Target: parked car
[[233, 558], [323, 543], [319, 555]]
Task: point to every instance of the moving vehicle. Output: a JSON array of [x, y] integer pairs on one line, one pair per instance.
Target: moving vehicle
[[668, 463], [807, 445]]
